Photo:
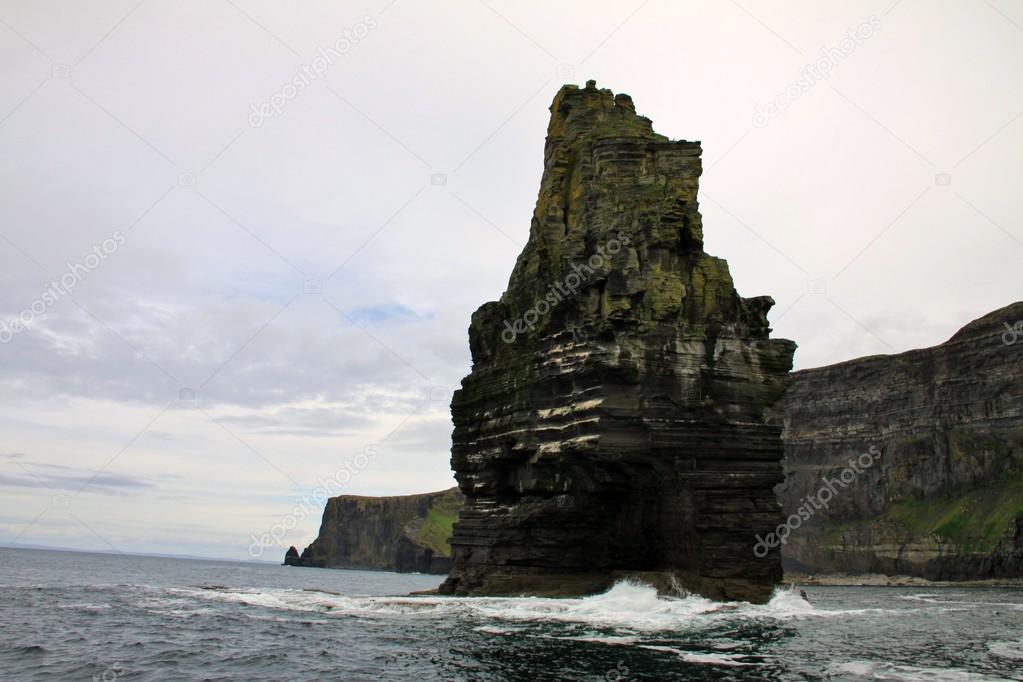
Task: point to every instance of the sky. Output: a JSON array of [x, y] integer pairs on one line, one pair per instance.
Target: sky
[[241, 240]]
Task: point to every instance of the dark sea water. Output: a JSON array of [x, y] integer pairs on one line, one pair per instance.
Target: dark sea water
[[78, 616]]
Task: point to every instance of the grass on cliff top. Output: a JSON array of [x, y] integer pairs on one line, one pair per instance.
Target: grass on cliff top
[[974, 520]]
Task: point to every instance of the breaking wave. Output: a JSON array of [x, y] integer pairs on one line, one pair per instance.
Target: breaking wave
[[627, 605]]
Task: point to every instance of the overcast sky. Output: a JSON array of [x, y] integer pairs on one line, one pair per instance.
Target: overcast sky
[[265, 279]]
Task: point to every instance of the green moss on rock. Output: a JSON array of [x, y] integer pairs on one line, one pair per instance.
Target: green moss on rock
[[974, 520]]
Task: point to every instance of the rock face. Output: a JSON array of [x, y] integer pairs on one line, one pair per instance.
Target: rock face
[[405, 533], [614, 420], [944, 498]]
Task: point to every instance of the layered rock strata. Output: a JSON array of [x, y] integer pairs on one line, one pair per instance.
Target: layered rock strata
[[944, 499], [407, 533], [613, 423]]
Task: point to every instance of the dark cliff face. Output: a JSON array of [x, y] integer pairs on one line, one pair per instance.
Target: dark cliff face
[[614, 420], [944, 497], [404, 533]]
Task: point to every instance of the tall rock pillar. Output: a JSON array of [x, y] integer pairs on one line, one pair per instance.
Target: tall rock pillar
[[613, 423]]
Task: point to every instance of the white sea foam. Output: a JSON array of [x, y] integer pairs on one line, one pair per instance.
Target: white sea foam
[[627, 605], [700, 658], [930, 598], [879, 670], [619, 640], [858, 669], [494, 630], [84, 606], [953, 604], [1011, 650]]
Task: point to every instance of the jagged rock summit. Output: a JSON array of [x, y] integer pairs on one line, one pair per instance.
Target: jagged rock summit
[[614, 422]]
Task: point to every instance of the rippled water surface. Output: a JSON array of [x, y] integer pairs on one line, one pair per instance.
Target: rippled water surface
[[66, 615]]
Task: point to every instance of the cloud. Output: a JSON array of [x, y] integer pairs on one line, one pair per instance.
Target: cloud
[[104, 482], [387, 312], [309, 285], [314, 421]]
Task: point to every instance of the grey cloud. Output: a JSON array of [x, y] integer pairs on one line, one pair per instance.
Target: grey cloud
[[104, 482], [197, 289], [300, 422]]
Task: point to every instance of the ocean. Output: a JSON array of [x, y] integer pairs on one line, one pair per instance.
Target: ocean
[[82, 616]]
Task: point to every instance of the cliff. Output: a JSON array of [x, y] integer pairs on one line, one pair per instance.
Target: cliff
[[613, 423], [404, 533], [942, 497], [937, 495]]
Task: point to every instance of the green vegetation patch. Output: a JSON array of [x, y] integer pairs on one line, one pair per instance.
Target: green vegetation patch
[[973, 520], [436, 531]]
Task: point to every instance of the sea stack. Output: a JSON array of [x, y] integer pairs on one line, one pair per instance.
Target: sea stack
[[615, 422]]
